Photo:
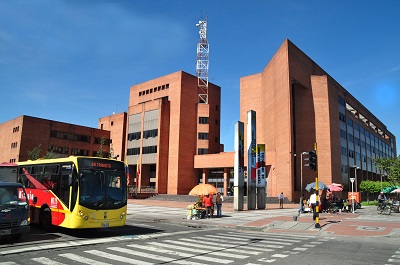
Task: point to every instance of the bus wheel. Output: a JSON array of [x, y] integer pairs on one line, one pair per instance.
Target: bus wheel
[[45, 218]]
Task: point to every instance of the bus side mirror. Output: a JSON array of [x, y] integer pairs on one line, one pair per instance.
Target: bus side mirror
[[34, 200]]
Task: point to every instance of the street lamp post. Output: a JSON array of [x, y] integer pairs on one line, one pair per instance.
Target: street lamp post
[[355, 175], [352, 194]]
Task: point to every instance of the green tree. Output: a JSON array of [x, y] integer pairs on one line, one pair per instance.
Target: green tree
[[35, 153], [391, 166], [372, 187], [50, 154], [100, 152]]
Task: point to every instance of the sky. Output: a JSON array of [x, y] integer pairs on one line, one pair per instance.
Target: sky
[[74, 61]]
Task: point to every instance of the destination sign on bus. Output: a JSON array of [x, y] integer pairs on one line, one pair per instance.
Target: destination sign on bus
[[98, 163]]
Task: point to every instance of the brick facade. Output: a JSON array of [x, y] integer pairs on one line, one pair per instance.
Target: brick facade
[[24, 133]]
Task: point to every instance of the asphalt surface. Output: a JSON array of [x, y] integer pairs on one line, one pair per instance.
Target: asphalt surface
[[364, 222]]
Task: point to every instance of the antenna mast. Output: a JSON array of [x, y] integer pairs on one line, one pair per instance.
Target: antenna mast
[[202, 62]]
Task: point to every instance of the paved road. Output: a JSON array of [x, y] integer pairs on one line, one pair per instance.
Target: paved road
[[215, 246], [364, 222]]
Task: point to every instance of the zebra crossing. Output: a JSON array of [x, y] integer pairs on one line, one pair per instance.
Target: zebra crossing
[[394, 259], [214, 247]]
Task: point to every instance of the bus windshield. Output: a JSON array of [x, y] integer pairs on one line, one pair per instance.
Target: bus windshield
[[101, 189]]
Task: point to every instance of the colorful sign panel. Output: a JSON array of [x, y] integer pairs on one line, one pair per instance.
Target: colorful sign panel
[[239, 155], [251, 148], [261, 174]]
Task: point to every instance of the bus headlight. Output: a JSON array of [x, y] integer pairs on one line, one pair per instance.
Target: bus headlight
[[83, 215], [24, 222], [122, 215]]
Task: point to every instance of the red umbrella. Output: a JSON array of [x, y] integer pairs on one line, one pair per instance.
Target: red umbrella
[[335, 187]]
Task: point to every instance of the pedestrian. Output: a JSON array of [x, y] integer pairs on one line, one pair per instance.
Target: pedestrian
[[313, 202], [208, 204], [301, 201], [218, 201], [280, 197]]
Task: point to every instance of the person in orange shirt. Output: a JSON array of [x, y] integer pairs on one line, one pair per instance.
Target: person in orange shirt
[[208, 203]]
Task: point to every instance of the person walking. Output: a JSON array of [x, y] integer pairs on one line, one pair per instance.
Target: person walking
[[313, 202], [280, 197], [301, 209], [218, 201]]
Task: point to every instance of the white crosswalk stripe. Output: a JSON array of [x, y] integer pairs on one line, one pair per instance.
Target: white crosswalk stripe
[[205, 258], [82, 259], [226, 248], [47, 261]]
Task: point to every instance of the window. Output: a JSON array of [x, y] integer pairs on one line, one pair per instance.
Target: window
[[202, 151], [341, 101], [216, 107], [344, 151], [216, 122], [342, 117], [350, 138], [133, 151], [134, 136], [150, 133], [14, 145], [203, 136], [79, 152], [150, 149], [343, 134], [203, 120], [350, 122]]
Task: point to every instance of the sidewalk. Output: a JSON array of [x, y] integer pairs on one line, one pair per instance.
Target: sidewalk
[[364, 222]]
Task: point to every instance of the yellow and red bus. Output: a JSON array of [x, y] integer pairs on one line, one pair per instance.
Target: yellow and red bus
[[76, 191]]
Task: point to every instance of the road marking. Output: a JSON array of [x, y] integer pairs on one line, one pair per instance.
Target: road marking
[[167, 251], [230, 243], [47, 261], [300, 249], [227, 247], [124, 259], [279, 256], [215, 260], [267, 260], [82, 259], [200, 249]]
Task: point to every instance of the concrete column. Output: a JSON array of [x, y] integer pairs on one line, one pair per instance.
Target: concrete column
[[226, 181], [261, 201], [205, 175]]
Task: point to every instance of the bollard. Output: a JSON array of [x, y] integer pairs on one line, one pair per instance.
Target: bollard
[[294, 217]]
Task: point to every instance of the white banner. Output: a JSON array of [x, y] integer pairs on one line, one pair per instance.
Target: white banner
[[261, 174], [238, 179]]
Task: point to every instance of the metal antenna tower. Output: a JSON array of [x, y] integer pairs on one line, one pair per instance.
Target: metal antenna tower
[[202, 62]]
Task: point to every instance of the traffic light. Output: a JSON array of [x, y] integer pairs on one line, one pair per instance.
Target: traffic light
[[312, 160]]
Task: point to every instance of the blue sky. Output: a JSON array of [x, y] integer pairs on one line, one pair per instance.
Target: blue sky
[[74, 61]]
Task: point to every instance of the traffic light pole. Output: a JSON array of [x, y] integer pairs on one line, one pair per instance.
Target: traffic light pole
[[317, 225]]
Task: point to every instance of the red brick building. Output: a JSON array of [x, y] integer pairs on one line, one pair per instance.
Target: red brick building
[[167, 127], [175, 140], [24, 133], [299, 104]]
